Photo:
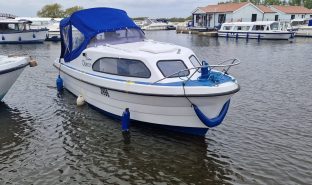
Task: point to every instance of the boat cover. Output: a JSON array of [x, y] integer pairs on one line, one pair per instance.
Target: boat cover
[[90, 22]]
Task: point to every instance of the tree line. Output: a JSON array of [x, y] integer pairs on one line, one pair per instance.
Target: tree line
[[305, 3], [56, 11]]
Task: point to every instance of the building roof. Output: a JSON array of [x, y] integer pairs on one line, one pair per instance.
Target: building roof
[[293, 9], [226, 7], [265, 9]]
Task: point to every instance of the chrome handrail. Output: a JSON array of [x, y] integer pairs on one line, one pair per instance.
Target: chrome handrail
[[221, 64]]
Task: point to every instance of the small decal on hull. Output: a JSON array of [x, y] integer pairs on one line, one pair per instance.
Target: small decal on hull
[[86, 64], [104, 92]]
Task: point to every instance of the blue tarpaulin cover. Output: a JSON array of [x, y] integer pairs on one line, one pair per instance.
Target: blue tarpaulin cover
[[310, 22], [90, 22]]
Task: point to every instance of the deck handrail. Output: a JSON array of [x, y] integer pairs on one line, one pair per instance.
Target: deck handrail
[[226, 68]]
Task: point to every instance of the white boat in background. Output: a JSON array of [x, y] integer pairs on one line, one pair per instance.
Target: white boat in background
[[10, 69], [37, 22], [302, 27], [270, 30], [14, 31], [112, 67], [54, 30], [154, 24]]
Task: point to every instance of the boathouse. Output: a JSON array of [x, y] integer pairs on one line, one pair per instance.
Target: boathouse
[[287, 13], [213, 16]]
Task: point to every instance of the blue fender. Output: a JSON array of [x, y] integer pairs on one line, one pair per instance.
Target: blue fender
[[214, 121], [59, 83], [125, 120]]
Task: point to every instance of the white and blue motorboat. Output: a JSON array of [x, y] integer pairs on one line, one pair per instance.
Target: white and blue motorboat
[[10, 70], [107, 61], [268, 30], [14, 31]]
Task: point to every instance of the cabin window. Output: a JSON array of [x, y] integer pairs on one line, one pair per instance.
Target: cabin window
[[258, 27], [227, 27], [292, 17], [117, 37], [21, 27], [122, 67], [77, 37], [65, 33], [194, 61], [12, 27], [242, 28], [172, 68], [274, 26]]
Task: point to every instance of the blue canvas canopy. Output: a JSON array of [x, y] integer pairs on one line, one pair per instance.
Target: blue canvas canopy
[[89, 23]]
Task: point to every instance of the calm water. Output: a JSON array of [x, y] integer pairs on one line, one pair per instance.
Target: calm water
[[265, 139]]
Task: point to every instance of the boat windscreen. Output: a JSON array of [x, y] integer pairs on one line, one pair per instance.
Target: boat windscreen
[[274, 26], [117, 37]]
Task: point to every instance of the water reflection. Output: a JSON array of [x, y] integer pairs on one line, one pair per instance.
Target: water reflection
[[94, 146], [15, 133]]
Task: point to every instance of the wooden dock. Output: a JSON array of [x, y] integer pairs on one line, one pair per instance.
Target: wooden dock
[[185, 30]]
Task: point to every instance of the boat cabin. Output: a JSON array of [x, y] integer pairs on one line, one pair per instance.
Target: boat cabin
[[121, 52], [300, 22], [11, 25], [251, 26]]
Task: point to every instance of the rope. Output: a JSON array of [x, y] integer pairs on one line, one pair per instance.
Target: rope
[[183, 85]]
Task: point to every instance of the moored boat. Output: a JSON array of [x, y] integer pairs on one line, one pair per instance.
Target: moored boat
[[113, 67], [157, 24], [54, 31], [10, 69], [301, 27], [18, 31], [270, 30]]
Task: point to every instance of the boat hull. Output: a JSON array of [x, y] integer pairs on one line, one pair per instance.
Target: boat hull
[[304, 33], [171, 112], [53, 36], [254, 35], [8, 78], [23, 37]]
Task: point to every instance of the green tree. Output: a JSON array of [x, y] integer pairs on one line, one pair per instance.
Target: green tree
[[71, 10], [51, 10], [272, 2]]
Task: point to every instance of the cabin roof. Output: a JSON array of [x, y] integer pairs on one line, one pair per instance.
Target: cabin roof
[[265, 9], [248, 23], [14, 21], [225, 7], [292, 9]]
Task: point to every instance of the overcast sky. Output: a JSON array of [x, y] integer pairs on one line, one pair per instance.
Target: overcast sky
[[135, 8]]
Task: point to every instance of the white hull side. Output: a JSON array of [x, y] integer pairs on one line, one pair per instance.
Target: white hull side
[[23, 37], [304, 33], [170, 111], [7, 80], [270, 36]]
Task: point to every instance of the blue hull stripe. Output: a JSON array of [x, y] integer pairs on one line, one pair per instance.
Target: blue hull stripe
[[22, 42], [147, 94], [253, 33]]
